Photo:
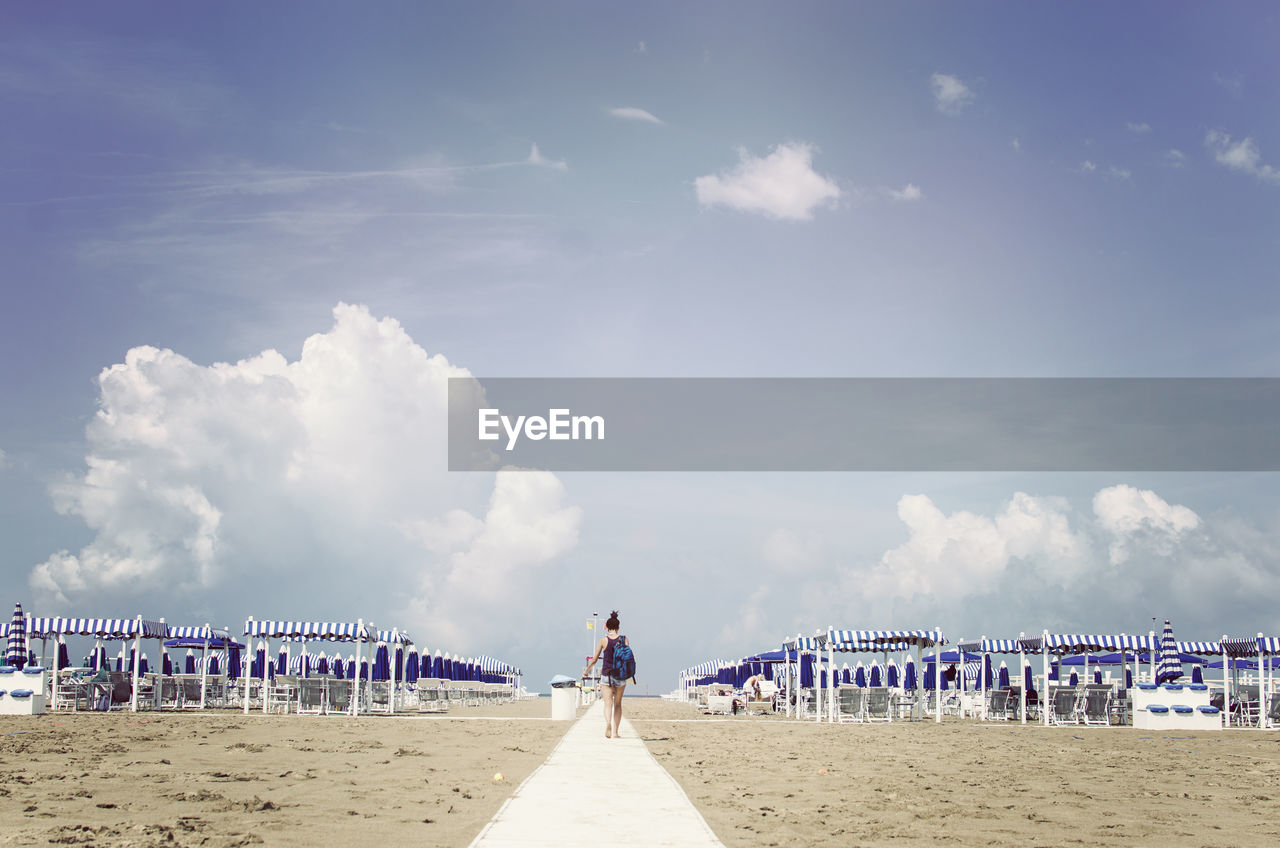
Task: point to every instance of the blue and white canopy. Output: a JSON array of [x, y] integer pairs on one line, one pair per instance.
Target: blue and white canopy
[[803, 643], [1249, 647], [103, 628], [198, 633], [394, 637], [881, 640], [309, 630], [990, 646]]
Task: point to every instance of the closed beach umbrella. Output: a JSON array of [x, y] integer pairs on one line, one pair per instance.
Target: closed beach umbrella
[[322, 664], [98, 656], [873, 678], [806, 671], [909, 674], [426, 664], [233, 660], [189, 664], [166, 663], [1097, 675], [1003, 675], [1027, 679], [891, 675], [259, 663], [1075, 681], [15, 653], [1169, 660], [120, 658], [1053, 670], [986, 671], [411, 667], [382, 663], [282, 660], [1128, 678], [214, 660], [860, 676], [846, 674], [338, 667], [1197, 676], [931, 676], [64, 659]]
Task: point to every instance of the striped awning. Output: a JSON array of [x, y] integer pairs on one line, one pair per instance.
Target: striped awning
[[989, 646], [1079, 643], [394, 637], [882, 638], [103, 628], [702, 669], [202, 631], [1200, 647], [803, 643], [326, 630]]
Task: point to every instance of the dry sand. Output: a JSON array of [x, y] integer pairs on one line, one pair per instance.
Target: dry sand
[[223, 779], [759, 782]]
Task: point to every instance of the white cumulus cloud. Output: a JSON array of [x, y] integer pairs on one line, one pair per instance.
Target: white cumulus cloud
[[950, 95], [781, 185], [315, 488], [1242, 156], [632, 113], [1141, 516]]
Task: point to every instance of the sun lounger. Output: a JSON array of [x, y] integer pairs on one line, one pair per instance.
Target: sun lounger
[[311, 691], [1064, 706], [878, 704], [1095, 705], [337, 695], [851, 704], [998, 706]]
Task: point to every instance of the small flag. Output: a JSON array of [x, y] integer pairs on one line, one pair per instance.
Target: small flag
[[591, 625]]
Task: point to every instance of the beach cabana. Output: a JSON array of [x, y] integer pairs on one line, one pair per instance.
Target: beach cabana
[[358, 632], [875, 641], [981, 651], [122, 629]]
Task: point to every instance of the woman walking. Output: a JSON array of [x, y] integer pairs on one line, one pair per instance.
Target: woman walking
[[612, 686]]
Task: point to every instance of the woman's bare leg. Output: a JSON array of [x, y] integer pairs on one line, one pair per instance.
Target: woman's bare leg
[[607, 693], [617, 707]]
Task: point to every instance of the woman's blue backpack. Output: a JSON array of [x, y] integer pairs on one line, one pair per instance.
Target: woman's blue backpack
[[624, 660]]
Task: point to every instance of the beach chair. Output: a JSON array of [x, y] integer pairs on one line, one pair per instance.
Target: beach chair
[[121, 690], [998, 705], [1245, 706], [281, 694], [851, 704], [337, 696], [71, 690], [168, 693], [380, 697], [311, 692], [878, 704], [1095, 705], [1063, 706]]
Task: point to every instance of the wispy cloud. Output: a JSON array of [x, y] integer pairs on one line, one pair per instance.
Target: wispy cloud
[[632, 113], [780, 185], [1138, 128], [950, 95], [1016, 144], [1175, 158], [536, 158], [641, 48], [910, 191], [1120, 173], [1088, 167], [1242, 156]]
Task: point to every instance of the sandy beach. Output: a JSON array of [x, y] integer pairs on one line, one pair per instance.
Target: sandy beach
[[224, 779], [227, 779], [760, 781]]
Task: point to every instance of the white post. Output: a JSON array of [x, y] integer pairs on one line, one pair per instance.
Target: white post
[[1262, 689], [266, 671], [204, 665], [1022, 674], [137, 657], [1226, 685], [831, 683], [982, 676], [53, 694], [1046, 701], [248, 654], [937, 676], [354, 674]]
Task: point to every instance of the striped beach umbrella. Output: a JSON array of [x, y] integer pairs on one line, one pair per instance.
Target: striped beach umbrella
[[1169, 659], [15, 653]]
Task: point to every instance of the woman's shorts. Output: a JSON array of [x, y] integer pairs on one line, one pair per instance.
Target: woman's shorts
[[610, 680]]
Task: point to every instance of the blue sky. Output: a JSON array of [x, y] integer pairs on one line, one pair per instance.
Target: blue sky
[[730, 190]]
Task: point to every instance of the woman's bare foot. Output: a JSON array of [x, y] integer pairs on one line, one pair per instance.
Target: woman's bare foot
[[607, 733]]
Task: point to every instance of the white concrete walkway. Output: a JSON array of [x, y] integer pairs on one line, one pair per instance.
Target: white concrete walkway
[[593, 790]]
